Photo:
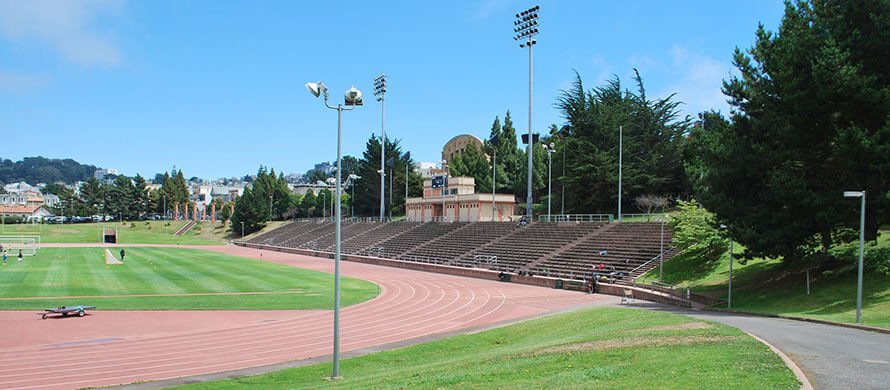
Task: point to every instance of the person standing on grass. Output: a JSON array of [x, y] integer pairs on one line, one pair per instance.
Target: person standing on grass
[[4, 257], [122, 254], [20, 255]]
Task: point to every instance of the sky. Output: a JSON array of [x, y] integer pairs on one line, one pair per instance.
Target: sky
[[216, 88]]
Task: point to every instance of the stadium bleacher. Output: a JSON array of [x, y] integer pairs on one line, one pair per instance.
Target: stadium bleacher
[[570, 250]]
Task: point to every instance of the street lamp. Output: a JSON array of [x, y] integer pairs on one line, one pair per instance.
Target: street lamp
[[549, 149], [352, 178], [242, 230], [729, 294], [353, 98], [859, 194], [526, 27], [380, 92]]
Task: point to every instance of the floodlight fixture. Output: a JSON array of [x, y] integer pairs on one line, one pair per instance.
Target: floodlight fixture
[[317, 89]]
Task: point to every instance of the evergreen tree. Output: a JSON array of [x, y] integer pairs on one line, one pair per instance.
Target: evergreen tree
[[811, 119]]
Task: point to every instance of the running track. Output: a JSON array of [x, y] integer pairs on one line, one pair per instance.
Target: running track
[[116, 347]]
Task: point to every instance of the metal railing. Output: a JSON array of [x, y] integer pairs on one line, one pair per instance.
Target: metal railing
[[656, 217], [425, 259], [665, 288], [576, 218]]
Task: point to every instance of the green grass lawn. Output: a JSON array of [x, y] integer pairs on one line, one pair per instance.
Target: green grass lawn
[[65, 272], [592, 348], [755, 288]]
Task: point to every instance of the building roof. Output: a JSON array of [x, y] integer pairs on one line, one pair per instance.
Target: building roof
[[20, 209]]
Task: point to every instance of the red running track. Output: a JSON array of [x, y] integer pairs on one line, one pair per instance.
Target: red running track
[[118, 347]]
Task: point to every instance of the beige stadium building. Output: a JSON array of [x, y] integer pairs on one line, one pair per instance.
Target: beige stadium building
[[458, 202]]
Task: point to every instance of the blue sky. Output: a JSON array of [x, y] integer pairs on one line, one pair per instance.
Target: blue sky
[[217, 87]]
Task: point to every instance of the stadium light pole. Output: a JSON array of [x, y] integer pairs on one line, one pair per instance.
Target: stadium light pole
[[620, 152], [380, 92], [526, 27], [494, 172], [549, 149], [353, 98], [859, 194], [242, 230]]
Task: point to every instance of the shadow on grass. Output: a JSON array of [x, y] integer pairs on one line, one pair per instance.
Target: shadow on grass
[[688, 266]]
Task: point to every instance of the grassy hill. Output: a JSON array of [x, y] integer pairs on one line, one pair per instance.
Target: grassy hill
[[770, 286], [137, 232]]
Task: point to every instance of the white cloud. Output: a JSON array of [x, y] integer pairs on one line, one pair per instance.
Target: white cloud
[[63, 25], [698, 82], [13, 81]]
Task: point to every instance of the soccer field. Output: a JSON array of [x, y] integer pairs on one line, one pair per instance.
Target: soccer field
[[168, 279]]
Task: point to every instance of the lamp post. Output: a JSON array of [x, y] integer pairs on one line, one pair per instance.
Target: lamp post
[[729, 293], [242, 229], [620, 152], [352, 178], [526, 27], [859, 194], [444, 189], [353, 98], [270, 208], [494, 172], [380, 92], [549, 149]]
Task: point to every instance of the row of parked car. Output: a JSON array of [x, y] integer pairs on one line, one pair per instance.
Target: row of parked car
[[75, 219]]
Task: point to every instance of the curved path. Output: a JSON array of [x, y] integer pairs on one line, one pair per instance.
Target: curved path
[[115, 347]]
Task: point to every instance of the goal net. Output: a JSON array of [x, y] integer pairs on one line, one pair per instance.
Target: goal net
[[110, 259], [28, 244]]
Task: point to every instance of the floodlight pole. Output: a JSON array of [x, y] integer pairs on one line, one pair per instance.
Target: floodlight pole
[[620, 152], [380, 91], [494, 180], [336, 356], [242, 230], [860, 194], [526, 28]]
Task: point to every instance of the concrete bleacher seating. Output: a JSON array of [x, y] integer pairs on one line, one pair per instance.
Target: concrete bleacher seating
[[559, 249]]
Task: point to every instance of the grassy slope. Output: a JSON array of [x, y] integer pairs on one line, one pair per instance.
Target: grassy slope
[[755, 288], [593, 348], [83, 272], [142, 232]]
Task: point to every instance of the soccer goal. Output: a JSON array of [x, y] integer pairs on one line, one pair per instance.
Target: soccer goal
[[28, 244]]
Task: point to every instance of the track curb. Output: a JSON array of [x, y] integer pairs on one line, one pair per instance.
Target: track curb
[[813, 320], [798, 372]]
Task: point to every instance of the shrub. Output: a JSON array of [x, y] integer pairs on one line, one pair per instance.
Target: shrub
[[875, 259]]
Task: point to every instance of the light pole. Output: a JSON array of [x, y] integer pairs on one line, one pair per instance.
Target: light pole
[[549, 149], [324, 206], [353, 98], [729, 293], [380, 92], [165, 214], [352, 178], [242, 229], [526, 27], [390, 162], [620, 152], [444, 189], [494, 172], [859, 194], [270, 208], [661, 247]]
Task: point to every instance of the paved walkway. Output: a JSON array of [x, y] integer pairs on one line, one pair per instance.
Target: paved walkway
[[832, 357]]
